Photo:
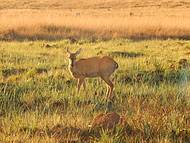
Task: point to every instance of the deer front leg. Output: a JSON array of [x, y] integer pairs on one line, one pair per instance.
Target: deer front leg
[[110, 87], [80, 82]]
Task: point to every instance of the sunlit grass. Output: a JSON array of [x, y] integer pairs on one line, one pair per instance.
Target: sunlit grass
[[38, 94], [92, 25]]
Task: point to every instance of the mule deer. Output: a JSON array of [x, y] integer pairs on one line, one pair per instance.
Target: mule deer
[[92, 67]]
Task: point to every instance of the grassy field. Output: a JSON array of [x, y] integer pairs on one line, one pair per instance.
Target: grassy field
[[149, 40], [91, 4], [38, 95], [134, 19]]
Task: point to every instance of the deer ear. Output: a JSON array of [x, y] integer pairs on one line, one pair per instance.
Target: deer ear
[[78, 52], [68, 51]]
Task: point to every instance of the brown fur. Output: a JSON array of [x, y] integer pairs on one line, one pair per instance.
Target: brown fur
[[106, 120]]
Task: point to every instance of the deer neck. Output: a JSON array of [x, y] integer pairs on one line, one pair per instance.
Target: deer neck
[[73, 62], [73, 69]]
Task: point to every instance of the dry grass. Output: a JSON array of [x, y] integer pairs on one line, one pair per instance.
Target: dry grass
[[58, 19], [55, 24], [60, 4]]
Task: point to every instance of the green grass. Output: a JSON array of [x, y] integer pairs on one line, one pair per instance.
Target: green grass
[[38, 94]]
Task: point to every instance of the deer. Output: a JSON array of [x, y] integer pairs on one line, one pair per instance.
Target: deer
[[91, 67]]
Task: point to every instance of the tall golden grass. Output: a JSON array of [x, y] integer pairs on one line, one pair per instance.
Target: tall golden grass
[[86, 4], [94, 24]]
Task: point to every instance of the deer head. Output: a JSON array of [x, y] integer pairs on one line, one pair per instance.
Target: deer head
[[72, 56]]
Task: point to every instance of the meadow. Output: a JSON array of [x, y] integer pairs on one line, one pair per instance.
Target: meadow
[[39, 98], [59, 19]]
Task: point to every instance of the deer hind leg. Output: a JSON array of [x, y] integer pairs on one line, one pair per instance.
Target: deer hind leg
[[110, 86], [80, 82], [84, 84]]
